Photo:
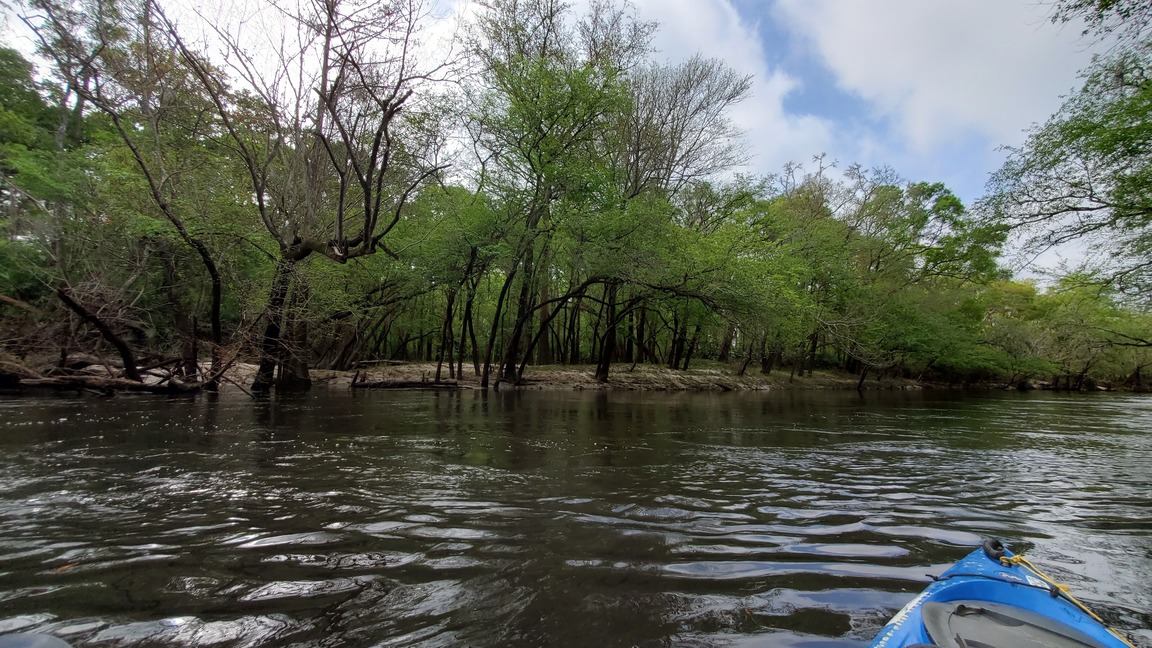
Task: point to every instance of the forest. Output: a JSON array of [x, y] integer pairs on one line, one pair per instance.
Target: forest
[[536, 188]]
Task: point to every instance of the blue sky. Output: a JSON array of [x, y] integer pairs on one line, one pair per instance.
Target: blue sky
[[931, 88]]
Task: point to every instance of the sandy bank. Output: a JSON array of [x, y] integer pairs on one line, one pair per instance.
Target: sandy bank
[[706, 377]]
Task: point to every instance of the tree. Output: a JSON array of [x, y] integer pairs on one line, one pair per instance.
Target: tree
[[112, 58], [32, 186], [1127, 20], [30, 172], [331, 157], [1085, 176], [866, 252], [668, 139], [549, 84]]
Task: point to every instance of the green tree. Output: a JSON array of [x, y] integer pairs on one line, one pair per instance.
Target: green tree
[[30, 178], [550, 82], [1014, 329], [117, 59], [1085, 176], [1127, 20], [673, 134]]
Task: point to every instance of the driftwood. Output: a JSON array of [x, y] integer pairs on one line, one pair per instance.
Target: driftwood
[[108, 385], [125, 351], [406, 384], [5, 299], [16, 375], [375, 363]]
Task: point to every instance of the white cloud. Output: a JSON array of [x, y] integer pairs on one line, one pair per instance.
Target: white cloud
[[715, 29], [944, 70], [941, 83]]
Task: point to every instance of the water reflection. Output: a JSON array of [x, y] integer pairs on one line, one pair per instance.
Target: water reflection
[[533, 518]]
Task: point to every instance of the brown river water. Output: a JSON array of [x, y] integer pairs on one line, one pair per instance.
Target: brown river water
[[553, 518]]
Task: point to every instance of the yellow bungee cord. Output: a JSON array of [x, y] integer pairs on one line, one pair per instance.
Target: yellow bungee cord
[[1009, 561]]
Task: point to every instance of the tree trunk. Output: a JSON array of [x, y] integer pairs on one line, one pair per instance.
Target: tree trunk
[[541, 333], [813, 341], [765, 364], [348, 350], [270, 345], [640, 355], [630, 337], [189, 355], [544, 351], [768, 362], [574, 334], [472, 338], [679, 342], [608, 344], [376, 338], [468, 327], [597, 339], [692, 346], [131, 371], [491, 347], [215, 317], [186, 324], [293, 341], [747, 360], [446, 338], [525, 308], [726, 343], [561, 343]]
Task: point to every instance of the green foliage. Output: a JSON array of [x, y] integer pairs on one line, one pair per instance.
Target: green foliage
[[1125, 19], [20, 269], [25, 118], [1086, 174], [29, 158], [595, 224]]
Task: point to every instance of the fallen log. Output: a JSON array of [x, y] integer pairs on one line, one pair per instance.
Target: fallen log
[[406, 384], [108, 385], [12, 371], [11, 301], [364, 364], [125, 351]]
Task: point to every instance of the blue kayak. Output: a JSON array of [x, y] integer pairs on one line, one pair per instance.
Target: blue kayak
[[994, 599]]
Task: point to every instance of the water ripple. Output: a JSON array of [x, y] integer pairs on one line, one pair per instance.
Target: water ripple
[[552, 519]]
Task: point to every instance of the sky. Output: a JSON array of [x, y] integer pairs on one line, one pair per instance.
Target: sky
[[931, 88]]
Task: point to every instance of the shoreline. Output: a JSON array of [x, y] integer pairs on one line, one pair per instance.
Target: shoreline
[[706, 377]]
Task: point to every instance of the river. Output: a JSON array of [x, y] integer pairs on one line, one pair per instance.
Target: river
[[553, 518]]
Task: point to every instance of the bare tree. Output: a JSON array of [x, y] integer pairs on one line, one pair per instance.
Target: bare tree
[[1127, 21], [677, 129], [111, 58], [320, 131]]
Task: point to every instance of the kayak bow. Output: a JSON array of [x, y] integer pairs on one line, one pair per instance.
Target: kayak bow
[[992, 598]]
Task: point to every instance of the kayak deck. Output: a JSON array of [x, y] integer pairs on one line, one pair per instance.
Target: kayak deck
[[967, 623], [983, 602]]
